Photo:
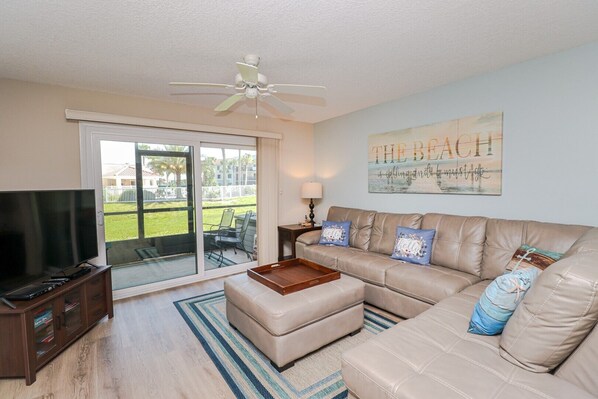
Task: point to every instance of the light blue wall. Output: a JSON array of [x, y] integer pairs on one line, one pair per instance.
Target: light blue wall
[[550, 152]]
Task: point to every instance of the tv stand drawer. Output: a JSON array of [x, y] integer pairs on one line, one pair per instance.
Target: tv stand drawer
[[96, 299]]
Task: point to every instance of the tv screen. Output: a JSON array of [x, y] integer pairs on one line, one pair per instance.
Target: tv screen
[[44, 232]]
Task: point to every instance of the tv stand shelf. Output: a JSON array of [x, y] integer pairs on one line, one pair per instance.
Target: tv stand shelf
[[38, 330]]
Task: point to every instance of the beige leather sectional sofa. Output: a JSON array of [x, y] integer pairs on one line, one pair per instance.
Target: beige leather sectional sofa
[[549, 348]]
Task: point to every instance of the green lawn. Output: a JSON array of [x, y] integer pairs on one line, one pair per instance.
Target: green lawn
[[124, 227]]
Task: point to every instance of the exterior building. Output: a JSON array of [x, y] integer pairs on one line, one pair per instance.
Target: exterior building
[[124, 175], [235, 175]]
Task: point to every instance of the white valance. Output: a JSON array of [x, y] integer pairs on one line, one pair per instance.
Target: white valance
[[88, 116]]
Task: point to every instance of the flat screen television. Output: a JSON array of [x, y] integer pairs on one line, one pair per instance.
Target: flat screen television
[[44, 232]]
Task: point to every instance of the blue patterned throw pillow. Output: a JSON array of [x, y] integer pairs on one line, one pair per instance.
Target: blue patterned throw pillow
[[335, 233], [499, 300], [414, 246]]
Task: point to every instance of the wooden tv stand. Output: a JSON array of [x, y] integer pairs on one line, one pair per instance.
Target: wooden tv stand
[[38, 330]]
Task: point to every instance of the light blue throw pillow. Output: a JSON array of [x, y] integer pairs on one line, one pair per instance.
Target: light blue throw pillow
[[500, 299], [413, 245], [335, 233]]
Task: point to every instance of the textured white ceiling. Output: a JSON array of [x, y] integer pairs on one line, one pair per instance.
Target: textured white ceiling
[[365, 52]]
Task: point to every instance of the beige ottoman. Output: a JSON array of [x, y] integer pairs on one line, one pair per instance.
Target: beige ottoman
[[288, 327]]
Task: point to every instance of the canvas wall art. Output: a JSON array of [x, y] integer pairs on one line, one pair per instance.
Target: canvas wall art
[[462, 156]]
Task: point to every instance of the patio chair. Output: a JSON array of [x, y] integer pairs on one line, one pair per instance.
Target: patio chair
[[222, 229], [226, 221], [235, 242]]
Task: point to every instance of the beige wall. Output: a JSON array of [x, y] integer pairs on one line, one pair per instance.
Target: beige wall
[[39, 148]]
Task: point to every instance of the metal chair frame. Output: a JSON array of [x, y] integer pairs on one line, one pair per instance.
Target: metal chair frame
[[224, 227], [235, 242]]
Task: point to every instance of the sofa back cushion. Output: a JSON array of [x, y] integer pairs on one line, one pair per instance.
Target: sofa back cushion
[[384, 230], [555, 315], [361, 224], [504, 237], [580, 367], [459, 241], [585, 243]]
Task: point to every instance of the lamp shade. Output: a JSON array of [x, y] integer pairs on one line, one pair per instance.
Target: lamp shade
[[311, 190]]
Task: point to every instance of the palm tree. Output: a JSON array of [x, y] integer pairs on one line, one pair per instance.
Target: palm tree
[[224, 168], [170, 165], [231, 164], [208, 172], [246, 160]]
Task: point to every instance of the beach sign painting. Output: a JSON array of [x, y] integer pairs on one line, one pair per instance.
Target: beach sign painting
[[462, 156]]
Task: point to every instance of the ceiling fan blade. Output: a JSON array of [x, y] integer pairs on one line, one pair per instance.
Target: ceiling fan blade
[[229, 102], [225, 86], [304, 90], [248, 72], [276, 103]]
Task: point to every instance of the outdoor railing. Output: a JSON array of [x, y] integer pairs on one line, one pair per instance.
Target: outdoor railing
[[113, 194], [122, 201]]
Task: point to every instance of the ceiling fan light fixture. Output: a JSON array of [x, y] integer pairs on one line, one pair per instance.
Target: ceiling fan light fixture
[[262, 81], [251, 92]]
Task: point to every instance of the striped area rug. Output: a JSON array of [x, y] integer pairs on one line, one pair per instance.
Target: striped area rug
[[249, 373]]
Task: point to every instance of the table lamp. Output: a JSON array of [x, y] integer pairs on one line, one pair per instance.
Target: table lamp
[[311, 190]]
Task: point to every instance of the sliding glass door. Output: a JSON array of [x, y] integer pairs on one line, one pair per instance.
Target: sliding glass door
[[174, 207], [229, 205], [149, 211]]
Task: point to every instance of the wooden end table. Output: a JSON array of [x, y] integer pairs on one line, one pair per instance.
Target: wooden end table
[[290, 232]]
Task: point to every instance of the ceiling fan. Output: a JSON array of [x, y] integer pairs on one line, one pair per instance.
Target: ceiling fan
[[250, 84]]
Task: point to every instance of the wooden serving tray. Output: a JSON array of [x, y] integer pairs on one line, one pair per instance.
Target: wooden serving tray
[[292, 275]]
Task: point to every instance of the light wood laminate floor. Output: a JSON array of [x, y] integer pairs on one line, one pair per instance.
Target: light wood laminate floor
[[145, 351]]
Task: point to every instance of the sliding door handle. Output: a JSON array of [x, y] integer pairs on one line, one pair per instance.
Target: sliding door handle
[[100, 218]]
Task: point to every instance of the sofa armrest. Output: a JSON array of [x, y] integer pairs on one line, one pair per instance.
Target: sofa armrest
[[310, 238]]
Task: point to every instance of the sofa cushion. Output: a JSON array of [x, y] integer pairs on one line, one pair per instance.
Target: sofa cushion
[[499, 300], [327, 255], [429, 284], [310, 238], [335, 233], [459, 241], [367, 266], [580, 367], [587, 242], [384, 229], [503, 237], [433, 356], [361, 224], [555, 316]]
